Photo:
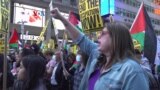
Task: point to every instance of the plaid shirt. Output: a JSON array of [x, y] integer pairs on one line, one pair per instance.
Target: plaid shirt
[[77, 78]]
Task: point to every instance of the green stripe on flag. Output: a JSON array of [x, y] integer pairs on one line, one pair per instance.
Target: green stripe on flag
[[140, 38], [80, 29], [13, 45]]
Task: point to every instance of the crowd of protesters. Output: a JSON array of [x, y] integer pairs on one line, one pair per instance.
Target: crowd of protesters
[[29, 69]]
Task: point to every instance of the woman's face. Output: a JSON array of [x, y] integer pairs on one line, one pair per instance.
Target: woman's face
[[21, 73], [104, 41], [17, 57]]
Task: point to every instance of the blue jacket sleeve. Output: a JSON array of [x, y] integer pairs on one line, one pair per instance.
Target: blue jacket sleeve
[[85, 44]]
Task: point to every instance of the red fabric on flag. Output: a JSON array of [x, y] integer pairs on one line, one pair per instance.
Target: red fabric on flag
[[14, 37], [140, 24]]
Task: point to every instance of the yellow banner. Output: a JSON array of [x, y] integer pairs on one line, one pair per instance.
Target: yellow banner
[[41, 36], [137, 45], [4, 15], [1, 43], [48, 46], [90, 15], [51, 44]]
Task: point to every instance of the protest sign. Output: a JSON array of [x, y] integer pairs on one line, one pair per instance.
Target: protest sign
[[90, 15]]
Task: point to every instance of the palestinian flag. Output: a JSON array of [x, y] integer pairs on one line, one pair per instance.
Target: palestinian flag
[[13, 41], [75, 20], [143, 32]]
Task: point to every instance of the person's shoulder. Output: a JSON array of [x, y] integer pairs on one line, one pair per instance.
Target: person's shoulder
[[131, 65]]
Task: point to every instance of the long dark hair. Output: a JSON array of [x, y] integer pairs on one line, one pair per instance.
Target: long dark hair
[[72, 56], [35, 69], [26, 51], [122, 45]]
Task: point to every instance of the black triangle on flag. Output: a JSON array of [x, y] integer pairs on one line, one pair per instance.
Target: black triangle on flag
[[150, 41]]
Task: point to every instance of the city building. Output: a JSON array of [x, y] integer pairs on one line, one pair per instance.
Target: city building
[[125, 11], [32, 16]]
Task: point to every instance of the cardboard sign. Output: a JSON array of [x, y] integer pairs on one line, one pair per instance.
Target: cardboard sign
[[90, 15], [2, 43], [137, 45], [4, 15]]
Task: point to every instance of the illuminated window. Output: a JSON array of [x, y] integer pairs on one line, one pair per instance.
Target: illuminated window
[[129, 14], [156, 2], [157, 11]]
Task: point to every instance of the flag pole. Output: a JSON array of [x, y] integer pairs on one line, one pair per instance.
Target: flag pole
[[59, 47], [61, 55], [5, 47], [5, 64]]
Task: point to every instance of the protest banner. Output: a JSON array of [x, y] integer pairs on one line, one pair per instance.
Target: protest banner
[[1, 43], [4, 22], [41, 36], [4, 28], [90, 15], [137, 45], [4, 15]]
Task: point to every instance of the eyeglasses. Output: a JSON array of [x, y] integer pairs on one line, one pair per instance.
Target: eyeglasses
[[104, 33]]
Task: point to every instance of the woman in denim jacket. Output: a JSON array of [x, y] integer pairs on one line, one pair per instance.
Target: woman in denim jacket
[[111, 64]]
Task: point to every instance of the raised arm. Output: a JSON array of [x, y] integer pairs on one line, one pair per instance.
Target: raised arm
[[74, 33], [84, 43]]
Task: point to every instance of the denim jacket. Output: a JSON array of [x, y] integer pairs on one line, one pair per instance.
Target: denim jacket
[[124, 75]]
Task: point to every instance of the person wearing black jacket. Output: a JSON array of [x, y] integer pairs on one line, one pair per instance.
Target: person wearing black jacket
[[58, 80], [10, 78]]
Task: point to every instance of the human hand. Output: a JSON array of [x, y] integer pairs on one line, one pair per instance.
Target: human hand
[[66, 73], [56, 13]]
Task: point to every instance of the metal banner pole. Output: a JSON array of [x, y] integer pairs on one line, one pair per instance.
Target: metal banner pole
[[4, 27], [5, 64]]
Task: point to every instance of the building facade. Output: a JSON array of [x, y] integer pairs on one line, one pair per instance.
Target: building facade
[[126, 10], [37, 13]]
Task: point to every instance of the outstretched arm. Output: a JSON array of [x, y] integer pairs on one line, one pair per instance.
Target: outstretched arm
[[85, 44], [74, 33]]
